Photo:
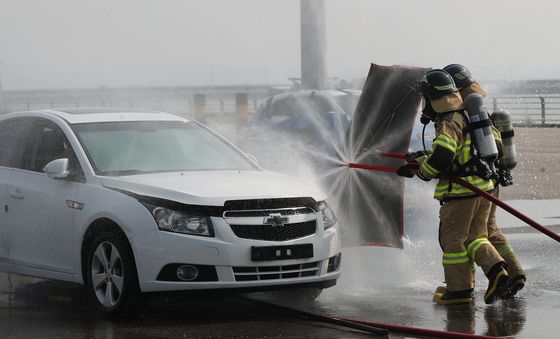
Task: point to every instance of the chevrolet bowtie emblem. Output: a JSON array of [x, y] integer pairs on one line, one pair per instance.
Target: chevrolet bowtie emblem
[[275, 220]]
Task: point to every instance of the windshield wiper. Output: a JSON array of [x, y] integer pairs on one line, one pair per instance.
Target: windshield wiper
[[117, 173]]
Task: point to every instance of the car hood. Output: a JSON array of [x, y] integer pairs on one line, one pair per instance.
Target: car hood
[[214, 188]]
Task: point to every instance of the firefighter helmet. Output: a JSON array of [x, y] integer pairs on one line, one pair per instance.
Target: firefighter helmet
[[460, 74], [436, 84]]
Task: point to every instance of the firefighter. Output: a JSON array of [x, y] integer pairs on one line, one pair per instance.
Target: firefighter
[[463, 234], [466, 86]]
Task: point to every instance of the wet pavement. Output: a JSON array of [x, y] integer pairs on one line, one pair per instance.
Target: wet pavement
[[378, 284]]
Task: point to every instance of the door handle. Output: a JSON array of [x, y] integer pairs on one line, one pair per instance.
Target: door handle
[[16, 195]]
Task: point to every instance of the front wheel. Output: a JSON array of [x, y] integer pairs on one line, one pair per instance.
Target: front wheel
[[111, 278]]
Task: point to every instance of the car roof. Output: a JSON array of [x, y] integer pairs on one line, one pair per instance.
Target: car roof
[[77, 115]]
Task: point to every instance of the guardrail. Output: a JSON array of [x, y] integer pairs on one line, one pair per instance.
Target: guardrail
[[541, 111], [174, 105]]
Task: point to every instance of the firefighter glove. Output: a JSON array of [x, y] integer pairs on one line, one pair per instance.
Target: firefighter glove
[[405, 171], [415, 155]]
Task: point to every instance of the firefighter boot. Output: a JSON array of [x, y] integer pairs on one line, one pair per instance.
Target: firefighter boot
[[515, 284], [440, 289], [497, 283], [453, 297]]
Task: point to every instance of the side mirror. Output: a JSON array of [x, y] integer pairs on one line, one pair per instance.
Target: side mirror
[[252, 157], [57, 169]]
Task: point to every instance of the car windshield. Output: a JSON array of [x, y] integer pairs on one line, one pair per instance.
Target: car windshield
[[127, 148]]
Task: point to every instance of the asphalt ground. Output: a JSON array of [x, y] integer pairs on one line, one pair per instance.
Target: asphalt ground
[[537, 174], [382, 285]]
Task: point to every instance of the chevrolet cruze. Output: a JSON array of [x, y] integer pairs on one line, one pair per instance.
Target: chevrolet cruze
[[134, 202]]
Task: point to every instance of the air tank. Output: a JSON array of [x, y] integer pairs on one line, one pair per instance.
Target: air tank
[[502, 121], [481, 128]]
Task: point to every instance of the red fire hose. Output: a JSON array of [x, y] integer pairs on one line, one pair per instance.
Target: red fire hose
[[419, 331], [375, 328], [465, 184]]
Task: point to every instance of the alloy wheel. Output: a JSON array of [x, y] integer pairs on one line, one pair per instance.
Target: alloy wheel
[[107, 274]]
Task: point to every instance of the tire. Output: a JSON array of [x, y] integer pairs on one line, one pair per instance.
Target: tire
[[111, 279], [297, 296]]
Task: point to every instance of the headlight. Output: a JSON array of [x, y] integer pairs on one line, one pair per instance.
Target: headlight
[[181, 222], [329, 219]]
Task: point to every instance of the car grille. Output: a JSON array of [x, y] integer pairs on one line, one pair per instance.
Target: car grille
[[297, 221], [267, 204], [275, 233], [264, 213], [255, 273]]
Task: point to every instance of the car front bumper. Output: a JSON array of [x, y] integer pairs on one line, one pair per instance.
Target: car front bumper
[[231, 258]]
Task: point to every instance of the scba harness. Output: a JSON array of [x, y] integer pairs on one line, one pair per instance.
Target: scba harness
[[479, 164]]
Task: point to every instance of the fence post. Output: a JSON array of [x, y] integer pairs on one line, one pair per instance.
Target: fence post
[[241, 105], [543, 111], [200, 107], [241, 114], [495, 104]]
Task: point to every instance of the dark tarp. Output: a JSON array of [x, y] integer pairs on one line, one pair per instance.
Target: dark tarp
[[370, 204]]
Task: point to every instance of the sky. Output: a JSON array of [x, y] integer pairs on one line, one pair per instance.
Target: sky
[[119, 43]]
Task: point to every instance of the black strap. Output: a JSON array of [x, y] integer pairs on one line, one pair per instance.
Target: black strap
[[466, 169], [481, 124], [507, 134]]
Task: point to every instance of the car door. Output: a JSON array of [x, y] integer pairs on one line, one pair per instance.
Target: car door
[[40, 208], [10, 140]]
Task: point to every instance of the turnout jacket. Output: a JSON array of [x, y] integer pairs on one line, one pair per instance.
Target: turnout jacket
[[451, 149]]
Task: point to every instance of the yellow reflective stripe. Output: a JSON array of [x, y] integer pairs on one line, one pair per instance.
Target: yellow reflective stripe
[[438, 195], [504, 250], [473, 247], [447, 142], [455, 261], [465, 152], [425, 167], [459, 76], [442, 188], [450, 255], [458, 189], [497, 134], [445, 87], [455, 258]]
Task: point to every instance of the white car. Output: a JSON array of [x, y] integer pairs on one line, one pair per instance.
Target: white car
[[132, 202]]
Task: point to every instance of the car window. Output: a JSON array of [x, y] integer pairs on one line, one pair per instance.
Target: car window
[[127, 148], [47, 142], [11, 138]]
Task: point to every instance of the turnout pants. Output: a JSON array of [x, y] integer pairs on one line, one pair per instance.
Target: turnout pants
[[463, 237], [499, 241]]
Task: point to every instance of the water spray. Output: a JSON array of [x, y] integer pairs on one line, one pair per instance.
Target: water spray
[[414, 166]]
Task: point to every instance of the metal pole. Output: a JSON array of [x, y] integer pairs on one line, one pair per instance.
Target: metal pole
[[313, 44], [543, 111]]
